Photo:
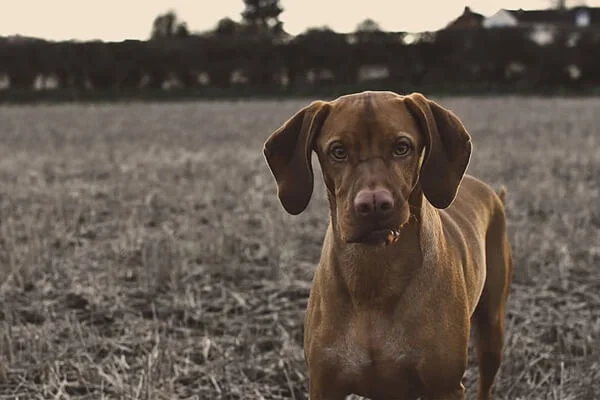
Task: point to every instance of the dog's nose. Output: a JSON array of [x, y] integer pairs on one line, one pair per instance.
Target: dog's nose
[[376, 202]]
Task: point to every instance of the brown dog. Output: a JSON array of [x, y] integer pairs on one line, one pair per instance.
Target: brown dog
[[415, 250]]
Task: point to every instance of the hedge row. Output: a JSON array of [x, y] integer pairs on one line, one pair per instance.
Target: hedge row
[[494, 57]]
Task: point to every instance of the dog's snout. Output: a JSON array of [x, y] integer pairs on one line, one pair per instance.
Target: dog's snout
[[375, 202]]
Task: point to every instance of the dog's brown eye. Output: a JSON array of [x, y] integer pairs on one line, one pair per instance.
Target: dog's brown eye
[[401, 148], [338, 152]]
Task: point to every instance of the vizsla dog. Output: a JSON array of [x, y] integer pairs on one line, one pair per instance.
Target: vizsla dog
[[414, 253]]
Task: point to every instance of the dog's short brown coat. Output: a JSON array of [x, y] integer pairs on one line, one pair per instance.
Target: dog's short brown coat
[[393, 322]]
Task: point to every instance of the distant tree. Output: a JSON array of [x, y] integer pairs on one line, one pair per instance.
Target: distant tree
[[182, 30], [368, 25], [21, 64], [368, 31], [373, 46], [227, 27], [323, 50], [262, 16], [558, 4], [168, 25]]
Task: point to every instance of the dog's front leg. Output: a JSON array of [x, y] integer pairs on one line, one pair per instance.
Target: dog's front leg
[[319, 389]]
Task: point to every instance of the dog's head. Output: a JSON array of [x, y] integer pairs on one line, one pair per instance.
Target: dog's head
[[375, 149]]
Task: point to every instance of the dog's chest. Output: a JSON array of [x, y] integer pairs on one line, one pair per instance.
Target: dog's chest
[[357, 353], [371, 358]]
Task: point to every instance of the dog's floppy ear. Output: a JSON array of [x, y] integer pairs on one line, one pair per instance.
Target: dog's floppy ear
[[288, 154], [448, 149]]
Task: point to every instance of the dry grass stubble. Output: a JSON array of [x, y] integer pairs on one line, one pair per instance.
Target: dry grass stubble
[[144, 255]]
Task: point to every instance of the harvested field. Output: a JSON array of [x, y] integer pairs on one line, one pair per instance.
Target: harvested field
[[144, 254]]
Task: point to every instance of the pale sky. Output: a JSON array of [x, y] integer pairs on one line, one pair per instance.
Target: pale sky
[[115, 20]]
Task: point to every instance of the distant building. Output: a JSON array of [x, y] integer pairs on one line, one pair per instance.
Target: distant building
[[576, 17], [501, 19], [544, 23], [467, 20]]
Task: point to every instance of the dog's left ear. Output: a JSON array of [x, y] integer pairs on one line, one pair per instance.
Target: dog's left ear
[[448, 149], [288, 154]]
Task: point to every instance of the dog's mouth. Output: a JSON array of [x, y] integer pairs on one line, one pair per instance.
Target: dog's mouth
[[385, 237], [381, 236]]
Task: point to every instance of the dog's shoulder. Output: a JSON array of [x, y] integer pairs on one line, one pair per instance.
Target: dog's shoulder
[[475, 203], [474, 191]]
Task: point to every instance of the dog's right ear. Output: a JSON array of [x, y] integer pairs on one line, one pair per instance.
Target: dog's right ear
[[448, 149], [288, 154]]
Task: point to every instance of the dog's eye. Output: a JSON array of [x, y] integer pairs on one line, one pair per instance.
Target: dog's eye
[[338, 152], [401, 148]]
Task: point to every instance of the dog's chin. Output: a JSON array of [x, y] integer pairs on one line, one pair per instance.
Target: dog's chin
[[377, 235]]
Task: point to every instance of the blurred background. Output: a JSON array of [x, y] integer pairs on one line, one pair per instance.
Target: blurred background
[[266, 47]]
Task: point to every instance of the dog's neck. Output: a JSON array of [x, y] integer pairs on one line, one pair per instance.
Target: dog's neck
[[378, 273]]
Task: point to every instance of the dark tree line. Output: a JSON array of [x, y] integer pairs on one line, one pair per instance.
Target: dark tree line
[[258, 53]]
